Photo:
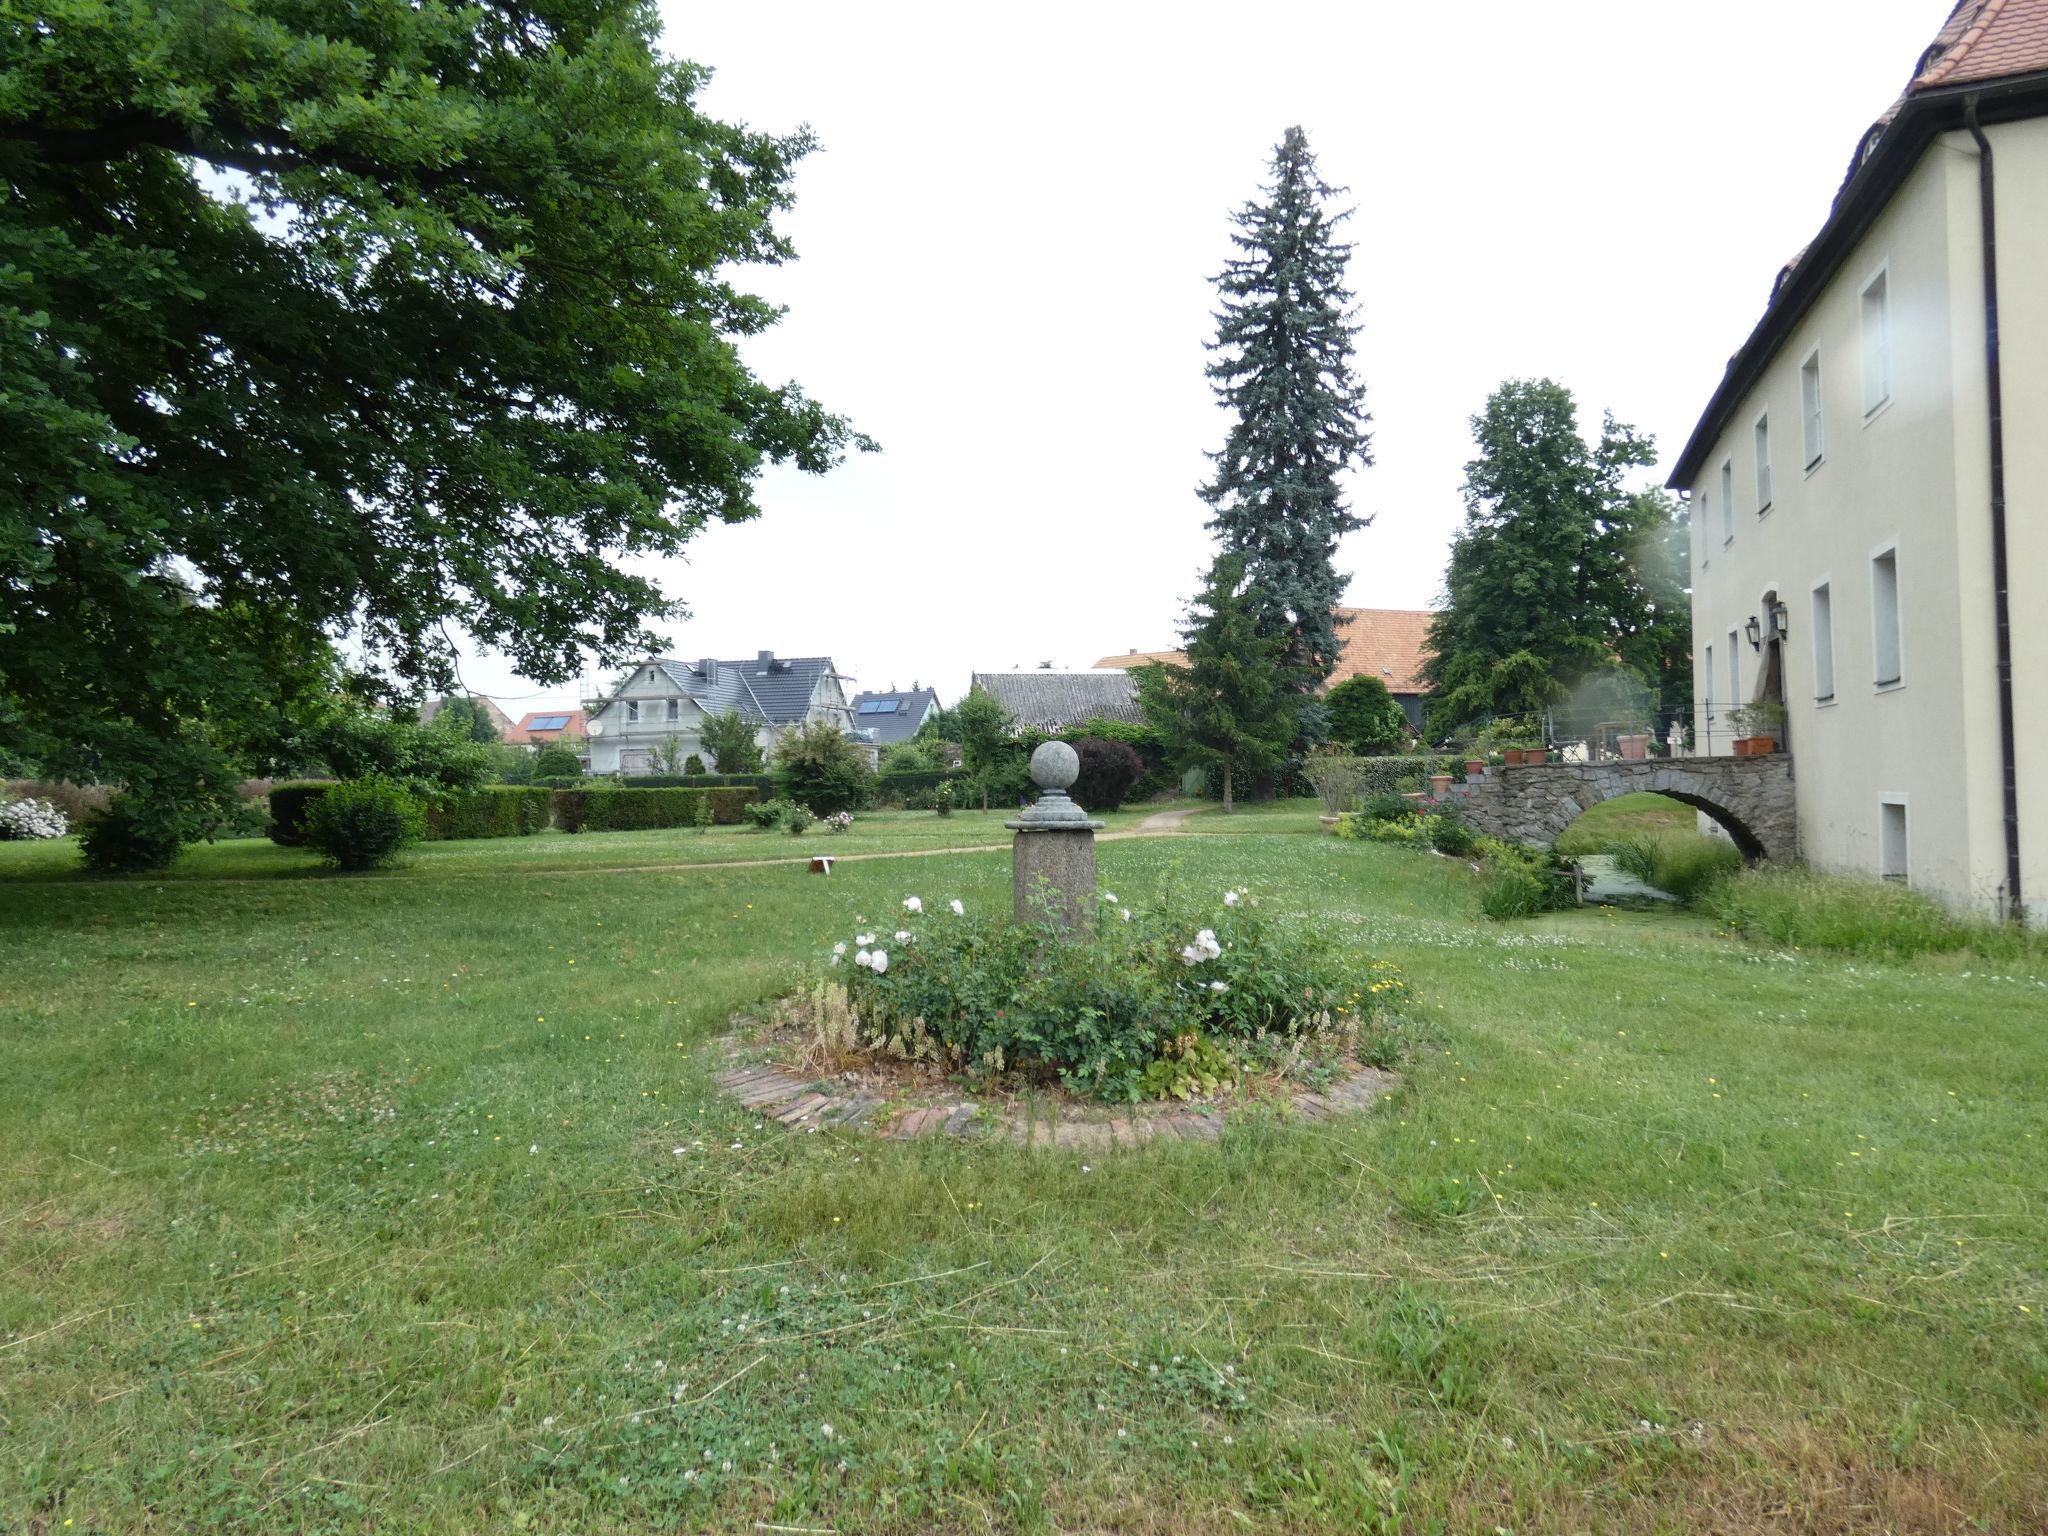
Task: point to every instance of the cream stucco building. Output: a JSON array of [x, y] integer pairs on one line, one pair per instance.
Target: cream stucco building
[[1851, 485]]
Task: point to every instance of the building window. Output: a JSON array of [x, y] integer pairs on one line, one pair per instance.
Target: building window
[[1707, 676], [1823, 625], [675, 709], [632, 712], [1734, 672], [1877, 343], [1763, 465], [1888, 664], [1728, 502], [1813, 438], [1891, 838]]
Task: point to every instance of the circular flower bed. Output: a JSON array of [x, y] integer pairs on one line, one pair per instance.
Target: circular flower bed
[[1160, 1002]]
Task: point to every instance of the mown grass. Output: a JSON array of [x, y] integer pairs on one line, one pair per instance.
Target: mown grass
[[405, 1204], [257, 858], [1627, 816]]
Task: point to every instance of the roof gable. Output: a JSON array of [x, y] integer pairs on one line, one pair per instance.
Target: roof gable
[[1391, 644], [770, 689]]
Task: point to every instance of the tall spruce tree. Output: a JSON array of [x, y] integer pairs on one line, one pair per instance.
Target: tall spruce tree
[[1283, 365], [1233, 708], [1560, 568]]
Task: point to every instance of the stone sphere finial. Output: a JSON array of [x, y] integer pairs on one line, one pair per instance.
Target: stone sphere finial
[[1055, 765]]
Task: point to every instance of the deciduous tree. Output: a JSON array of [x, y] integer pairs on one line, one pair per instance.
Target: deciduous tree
[[732, 740], [1547, 581], [378, 320]]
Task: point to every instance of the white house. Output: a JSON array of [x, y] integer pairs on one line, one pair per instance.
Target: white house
[[667, 701], [1869, 489]]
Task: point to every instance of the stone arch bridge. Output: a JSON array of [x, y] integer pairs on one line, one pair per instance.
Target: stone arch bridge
[[1751, 797]]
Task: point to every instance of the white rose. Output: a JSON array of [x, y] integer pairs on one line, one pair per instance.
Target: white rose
[[1219, 986], [1230, 898], [912, 904], [959, 910], [880, 963], [863, 959]]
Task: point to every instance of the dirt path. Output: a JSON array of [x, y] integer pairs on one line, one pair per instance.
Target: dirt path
[[1163, 823]]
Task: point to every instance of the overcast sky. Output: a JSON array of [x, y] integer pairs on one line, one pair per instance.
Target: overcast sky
[[1006, 240]]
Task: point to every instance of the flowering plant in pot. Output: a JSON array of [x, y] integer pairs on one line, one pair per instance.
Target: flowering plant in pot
[[1758, 723]]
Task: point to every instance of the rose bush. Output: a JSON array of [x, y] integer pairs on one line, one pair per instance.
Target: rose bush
[[1097, 1009]]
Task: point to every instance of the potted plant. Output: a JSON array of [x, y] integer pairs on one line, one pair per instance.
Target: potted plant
[[1474, 767], [1536, 754], [1758, 723]]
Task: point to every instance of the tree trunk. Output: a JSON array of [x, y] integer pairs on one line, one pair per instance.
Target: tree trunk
[[1226, 789]]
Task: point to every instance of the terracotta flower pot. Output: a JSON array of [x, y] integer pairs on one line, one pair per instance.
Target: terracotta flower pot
[[1755, 746], [1474, 767], [1439, 785], [1536, 755], [1513, 757], [1633, 748]]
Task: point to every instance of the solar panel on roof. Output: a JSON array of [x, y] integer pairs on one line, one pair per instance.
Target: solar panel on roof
[[879, 707], [548, 722]]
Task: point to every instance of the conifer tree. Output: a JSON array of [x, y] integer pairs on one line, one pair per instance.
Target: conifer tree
[[1283, 367], [1233, 708]]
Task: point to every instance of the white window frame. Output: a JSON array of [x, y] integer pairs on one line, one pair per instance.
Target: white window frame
[[1898, 612], [1822, 593], [1728, 501], [1878, 359], [1707, 670], [1735, 643], [1761, 436], [1812, 412], [1889, 801]]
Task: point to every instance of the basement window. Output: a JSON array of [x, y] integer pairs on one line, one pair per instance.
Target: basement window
[[1891, 838]]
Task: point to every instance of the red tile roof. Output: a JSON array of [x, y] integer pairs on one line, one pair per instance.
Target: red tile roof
[[524, 734], [1986, 40], [1391, 644]]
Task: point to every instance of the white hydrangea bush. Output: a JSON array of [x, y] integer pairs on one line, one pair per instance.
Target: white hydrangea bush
[[23, 820]]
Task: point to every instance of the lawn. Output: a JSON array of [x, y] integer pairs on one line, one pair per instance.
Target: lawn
[[403, 1203], [1627, 816], [257, 858]]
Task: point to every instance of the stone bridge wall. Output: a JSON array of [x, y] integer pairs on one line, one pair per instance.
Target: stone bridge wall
[[1750, 796]]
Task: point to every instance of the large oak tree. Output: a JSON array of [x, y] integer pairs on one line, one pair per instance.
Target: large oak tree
[[363, 319]]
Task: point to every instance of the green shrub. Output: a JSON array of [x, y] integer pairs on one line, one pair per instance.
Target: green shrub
[[1109, 770], [1385, 805], [364, 823], [693, 764], [557, 760], [126, 838], [1099, 1008], [498, 810], [1511, 890], [249, 816], [1449, 833], [1804, 909], [766, 815], [288, 805], [797, 818], [698, 812], [820, 769], [613, 808]]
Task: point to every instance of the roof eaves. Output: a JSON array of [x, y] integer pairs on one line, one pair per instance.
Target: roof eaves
[[1882, 170]]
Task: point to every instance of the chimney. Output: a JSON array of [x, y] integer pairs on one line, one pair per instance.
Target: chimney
[[767, 661], [709, 668]]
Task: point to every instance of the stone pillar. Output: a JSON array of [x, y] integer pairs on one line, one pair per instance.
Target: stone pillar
[[1054, 850]]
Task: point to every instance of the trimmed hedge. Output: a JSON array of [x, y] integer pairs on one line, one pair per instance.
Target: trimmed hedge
[[761, 781], [288, 804], [498, 810], [608, 808], [1400, 775]]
